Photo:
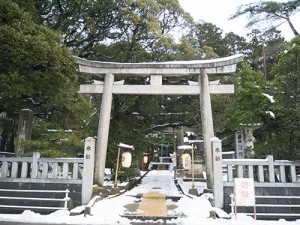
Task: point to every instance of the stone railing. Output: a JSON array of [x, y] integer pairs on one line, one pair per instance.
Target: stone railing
[[265, 172], [52, 170], [41, 170]]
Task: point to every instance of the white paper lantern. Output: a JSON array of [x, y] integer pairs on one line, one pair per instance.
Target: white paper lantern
[[186, 161], [126, 159], [145, 159]]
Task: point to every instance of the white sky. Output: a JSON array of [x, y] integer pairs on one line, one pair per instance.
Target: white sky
[[218, 12]]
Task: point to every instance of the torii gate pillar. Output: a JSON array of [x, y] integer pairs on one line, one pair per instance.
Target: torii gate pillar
[[207, 124], [103, 129]]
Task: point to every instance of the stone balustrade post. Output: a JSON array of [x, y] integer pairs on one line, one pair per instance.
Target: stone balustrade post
[[271, 169], [35, 165]]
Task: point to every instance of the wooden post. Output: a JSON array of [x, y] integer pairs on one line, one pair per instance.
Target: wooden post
[[193, 168], [117, 168]]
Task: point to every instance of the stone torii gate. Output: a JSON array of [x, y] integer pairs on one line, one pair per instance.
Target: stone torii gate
[[156, 71]]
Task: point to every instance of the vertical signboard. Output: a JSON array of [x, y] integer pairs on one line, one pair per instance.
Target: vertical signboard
[[244, 193], [88, 170], [216, 146], [239, 145]]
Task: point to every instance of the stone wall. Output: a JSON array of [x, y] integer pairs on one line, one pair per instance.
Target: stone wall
[[268, 191], [74, 194]]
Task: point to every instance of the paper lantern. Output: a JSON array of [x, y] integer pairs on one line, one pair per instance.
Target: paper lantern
[[186, 161], [126, 159], [145, 159]]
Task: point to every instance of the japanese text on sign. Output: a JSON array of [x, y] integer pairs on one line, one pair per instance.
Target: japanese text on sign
[[244, 191]]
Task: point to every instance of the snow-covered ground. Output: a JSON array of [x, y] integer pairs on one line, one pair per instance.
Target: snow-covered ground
[[110, 210]]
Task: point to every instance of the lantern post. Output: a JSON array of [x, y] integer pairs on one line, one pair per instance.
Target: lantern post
[[193, 171], [118, 159], [117, 167], [192, 190]]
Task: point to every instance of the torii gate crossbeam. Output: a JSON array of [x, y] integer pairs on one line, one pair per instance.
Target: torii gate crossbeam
[[156, 71]]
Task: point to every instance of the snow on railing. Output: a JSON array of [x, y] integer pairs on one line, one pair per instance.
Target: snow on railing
[[13, 169], [262, 170]]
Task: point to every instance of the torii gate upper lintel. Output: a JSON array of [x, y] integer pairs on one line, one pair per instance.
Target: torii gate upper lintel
[[201, 68], [224, 65]]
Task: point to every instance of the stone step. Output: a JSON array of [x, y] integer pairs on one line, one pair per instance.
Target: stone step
[[153, 204]]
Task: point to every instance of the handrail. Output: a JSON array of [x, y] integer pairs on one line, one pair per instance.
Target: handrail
[[65, 199]]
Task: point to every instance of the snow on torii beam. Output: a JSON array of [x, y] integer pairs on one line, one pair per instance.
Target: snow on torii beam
[[225, 65], [200, 68]]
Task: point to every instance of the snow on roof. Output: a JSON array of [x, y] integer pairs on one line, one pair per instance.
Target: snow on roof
[[184, 147], [125, 145]]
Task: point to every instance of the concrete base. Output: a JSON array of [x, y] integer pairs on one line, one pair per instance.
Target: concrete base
[[193, 191], [114, 191]]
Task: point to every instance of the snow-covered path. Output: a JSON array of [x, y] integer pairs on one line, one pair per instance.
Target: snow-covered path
[[156, 180], [110, 210]]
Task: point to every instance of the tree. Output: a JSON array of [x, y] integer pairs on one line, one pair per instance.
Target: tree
[[113, 30], [263, 48], [209, 35], [286, 86], [30, 54], [35, 69], [235, 43], [83, 24], [270, 12], [124, 31], [250, 102]]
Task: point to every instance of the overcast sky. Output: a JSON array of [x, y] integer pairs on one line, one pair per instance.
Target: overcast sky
[[218, 12]]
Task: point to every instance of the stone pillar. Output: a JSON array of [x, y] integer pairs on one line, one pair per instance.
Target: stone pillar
[[35, 165], [207, 124], [88, 170], [24, 129], [103, 129], [180, 137], [216, 147]]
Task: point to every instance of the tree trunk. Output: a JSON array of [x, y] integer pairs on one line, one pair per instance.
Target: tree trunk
[[292, 26]]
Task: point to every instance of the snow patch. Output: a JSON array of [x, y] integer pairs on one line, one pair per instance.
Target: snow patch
[[270, 97]]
